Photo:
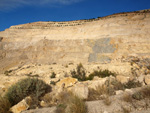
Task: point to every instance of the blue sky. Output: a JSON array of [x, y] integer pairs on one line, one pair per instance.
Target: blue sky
[[14, 12]]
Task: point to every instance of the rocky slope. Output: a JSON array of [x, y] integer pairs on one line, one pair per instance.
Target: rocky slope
[[102, 40]]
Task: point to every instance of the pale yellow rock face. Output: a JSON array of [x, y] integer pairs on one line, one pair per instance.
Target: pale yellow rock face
[[102, 40], [67, 82]]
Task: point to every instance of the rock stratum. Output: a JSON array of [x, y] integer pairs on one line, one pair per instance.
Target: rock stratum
[[102, 40]]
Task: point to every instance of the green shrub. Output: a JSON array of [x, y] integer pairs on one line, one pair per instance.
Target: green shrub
[[101, 73], [79, 73], [130, 84], [26, 87], [53, 75], [4, 105]]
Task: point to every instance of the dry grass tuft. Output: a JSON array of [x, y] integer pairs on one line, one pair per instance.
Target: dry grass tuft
[[70, 103], [96, 94], [4, 105], [142, 94], [107, 101]]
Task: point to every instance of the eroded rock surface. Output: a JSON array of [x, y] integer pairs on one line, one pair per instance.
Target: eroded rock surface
[[101, 40]]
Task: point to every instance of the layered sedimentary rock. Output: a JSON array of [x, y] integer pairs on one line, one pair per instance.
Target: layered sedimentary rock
[[100, 40]]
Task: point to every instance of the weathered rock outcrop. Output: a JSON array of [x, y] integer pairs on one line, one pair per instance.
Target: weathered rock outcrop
[[100, 40]]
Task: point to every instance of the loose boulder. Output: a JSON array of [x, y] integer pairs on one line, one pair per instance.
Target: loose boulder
[[22, 106]]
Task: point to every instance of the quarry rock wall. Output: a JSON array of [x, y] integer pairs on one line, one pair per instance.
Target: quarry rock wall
[[100, 40]]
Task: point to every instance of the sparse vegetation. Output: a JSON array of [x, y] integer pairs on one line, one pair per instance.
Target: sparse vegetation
[[53, 83], [26, 87], [7, 72], [101, 73], [4, 105], [80, 73], [53, 75], [130, 84], [109, 89], [30, 75]]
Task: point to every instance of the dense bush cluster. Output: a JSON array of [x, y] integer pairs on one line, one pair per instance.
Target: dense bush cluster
[[25, 87]]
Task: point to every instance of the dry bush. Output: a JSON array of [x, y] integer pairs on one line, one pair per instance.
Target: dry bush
[[107, 101], [96, 94], [127, 97], [49, 99], [125, 110], [146, 92], [132, 84], [69, 103], [142, 94], [101, 73], [4, 105]]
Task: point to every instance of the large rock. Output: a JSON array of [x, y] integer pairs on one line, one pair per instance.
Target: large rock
[[81, 90], [22, 106]]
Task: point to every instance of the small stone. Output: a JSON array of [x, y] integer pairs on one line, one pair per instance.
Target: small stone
[[43, 104]]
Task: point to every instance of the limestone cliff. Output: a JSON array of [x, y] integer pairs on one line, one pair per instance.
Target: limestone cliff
[[100, 40]]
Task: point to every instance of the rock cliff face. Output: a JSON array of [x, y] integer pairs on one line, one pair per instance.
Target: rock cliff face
[[101, 40]]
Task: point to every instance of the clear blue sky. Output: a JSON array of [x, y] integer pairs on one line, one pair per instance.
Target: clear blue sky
[[14, 12]]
